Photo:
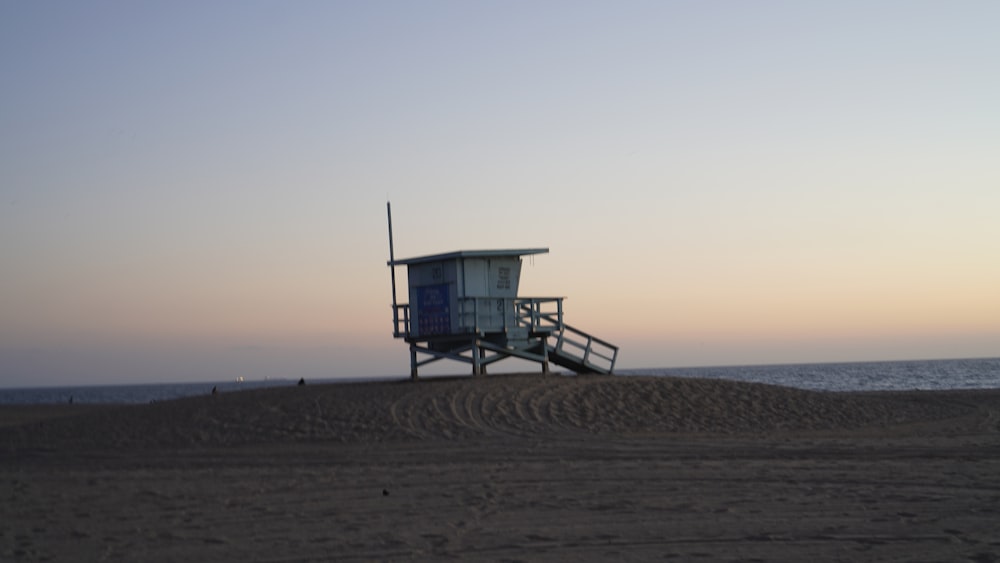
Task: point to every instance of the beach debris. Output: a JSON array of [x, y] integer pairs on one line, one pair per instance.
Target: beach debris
[[385, 492]]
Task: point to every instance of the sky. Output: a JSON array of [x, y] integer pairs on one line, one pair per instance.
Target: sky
[[195, 191]]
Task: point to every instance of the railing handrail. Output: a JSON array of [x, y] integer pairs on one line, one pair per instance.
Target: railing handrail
[[594, 338], [529, 313], [396, 320], [571, 336]]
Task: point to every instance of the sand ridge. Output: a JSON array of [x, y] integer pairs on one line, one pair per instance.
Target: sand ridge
[[522, 405]]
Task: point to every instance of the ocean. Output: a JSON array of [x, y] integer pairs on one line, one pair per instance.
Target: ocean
[[980, 373]]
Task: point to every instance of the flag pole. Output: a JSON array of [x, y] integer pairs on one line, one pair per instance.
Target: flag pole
[[392, 271]]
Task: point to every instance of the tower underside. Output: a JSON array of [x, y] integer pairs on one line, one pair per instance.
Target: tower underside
[[539, 335]]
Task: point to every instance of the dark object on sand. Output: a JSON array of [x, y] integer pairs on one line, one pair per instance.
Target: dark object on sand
[[215, 391], [385, 492], [302, 381]]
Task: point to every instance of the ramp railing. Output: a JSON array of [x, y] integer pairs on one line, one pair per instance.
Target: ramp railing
[[540, 314], [589, 351], [592, 352]]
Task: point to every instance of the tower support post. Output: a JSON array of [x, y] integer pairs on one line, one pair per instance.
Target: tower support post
[[413, 362], [477, 357]]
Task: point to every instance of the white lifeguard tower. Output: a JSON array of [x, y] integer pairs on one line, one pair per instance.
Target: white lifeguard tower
[[464, 306]]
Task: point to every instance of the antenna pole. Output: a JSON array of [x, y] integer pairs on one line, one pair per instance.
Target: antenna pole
[[392, 271]]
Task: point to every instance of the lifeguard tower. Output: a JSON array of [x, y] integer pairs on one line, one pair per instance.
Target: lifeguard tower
[[464, 306]]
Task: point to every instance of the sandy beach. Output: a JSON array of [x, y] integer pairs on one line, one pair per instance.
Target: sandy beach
[[507, 468]]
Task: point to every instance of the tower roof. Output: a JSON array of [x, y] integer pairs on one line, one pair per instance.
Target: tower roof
[[468, 254]]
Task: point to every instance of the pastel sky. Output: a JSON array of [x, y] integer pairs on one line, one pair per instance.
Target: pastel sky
[[195, 191]]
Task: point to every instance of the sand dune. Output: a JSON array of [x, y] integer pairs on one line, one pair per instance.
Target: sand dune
[[526, 405], [507, 468]]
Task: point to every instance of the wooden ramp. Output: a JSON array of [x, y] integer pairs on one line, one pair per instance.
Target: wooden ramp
[[565, 345]]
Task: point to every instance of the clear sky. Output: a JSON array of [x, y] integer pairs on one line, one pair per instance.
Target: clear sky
[[196, 190]]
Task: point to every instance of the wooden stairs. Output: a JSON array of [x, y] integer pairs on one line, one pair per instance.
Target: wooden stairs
[[562, 344]]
